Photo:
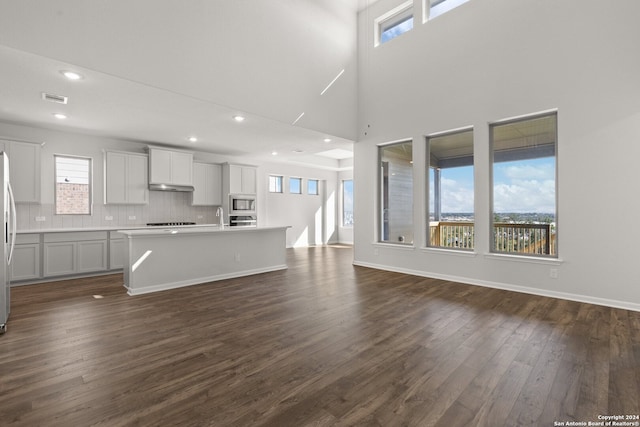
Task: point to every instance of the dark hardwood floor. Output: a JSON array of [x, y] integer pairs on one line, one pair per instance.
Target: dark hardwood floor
[[323, 343]]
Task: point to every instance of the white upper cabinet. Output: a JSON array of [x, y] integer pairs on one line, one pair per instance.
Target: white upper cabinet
[[241, 179], [125, 178], [207, 183], [170, 167], [24, 170]]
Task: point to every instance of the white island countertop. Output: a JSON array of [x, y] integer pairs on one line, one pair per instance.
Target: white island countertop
[[160, 258], [193, 229]]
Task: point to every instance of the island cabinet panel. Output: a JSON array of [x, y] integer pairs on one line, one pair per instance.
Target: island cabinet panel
[[157, 260], [207, 183], [25, 264], [74, 253], [126, 178], [24, 170], [116, 250], [170, 167]]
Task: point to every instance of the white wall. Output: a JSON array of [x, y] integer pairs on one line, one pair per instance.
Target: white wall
[[490, 60], [313, 219]]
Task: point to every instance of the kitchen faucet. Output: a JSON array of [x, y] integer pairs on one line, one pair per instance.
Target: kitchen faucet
[[220, 213]]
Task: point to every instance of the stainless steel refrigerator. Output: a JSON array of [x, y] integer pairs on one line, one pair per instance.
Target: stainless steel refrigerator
[[8, 242]]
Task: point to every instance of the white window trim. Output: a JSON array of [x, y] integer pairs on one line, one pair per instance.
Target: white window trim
[[426, 8], [317, 181], [281, 184], [342, 192], [55, 180], [406, 7], [524, 117], [301, 184]]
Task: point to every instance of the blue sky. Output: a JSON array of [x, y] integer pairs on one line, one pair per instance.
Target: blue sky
[[393, 32], [519, 186]]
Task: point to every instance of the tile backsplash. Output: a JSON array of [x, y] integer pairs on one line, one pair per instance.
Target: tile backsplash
[[162, 207]]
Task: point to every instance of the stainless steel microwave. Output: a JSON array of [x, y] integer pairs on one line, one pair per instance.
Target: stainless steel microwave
[[242, 203]]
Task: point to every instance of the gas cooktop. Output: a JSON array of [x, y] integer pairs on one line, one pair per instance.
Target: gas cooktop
[[165, 224]]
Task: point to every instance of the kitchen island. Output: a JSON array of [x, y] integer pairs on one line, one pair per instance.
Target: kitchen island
[[163, 258]]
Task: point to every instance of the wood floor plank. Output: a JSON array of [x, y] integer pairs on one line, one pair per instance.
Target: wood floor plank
[[322, 343]]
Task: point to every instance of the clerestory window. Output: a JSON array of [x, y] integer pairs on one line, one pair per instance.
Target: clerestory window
[[394, 23], [434, 8]]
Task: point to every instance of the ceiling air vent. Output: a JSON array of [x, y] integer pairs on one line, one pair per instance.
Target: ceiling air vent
[[59, 99]]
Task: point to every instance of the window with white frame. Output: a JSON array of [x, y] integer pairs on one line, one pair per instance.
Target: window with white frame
[[524, 185], [295, 185], [435, 8], [394, 23], [451, 190], [396, 193], [275, 184], [73, 185], [312, 187], [347, 203]]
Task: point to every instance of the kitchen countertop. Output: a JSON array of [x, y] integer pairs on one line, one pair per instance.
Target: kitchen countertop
[[191, 229], [106, 228]]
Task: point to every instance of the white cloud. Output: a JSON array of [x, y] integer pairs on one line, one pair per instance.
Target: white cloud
[[525, 196], [455, 196], [527, 186], [540, 172]]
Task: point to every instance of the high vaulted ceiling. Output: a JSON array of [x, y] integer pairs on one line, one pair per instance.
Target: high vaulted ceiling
[[160, 71]]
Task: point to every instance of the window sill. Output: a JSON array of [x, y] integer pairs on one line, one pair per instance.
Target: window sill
[[521, 258], [406, 246], [454, 252]]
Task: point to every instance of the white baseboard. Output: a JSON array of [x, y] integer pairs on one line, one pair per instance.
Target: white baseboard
[[507, 287]]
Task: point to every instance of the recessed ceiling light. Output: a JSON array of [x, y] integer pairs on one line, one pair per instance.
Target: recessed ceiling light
[[327, 140], [297, 150], [71, 75], [193, 139], [274, 153], [60, 116], [238, 118]]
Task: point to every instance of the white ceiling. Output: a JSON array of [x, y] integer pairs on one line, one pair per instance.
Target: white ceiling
[[159, 71]]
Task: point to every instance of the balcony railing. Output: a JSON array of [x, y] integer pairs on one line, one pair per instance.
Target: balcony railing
[[510, 238], [450, 234]]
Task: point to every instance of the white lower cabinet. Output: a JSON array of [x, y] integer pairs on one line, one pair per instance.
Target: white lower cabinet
[[25, 264], [74, 252], [92, 256], [40, 256], [60, 258]]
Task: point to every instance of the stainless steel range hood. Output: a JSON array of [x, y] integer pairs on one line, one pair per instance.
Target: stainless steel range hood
[[170, 187]]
